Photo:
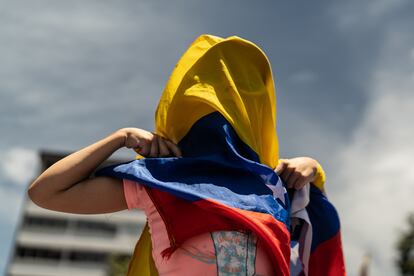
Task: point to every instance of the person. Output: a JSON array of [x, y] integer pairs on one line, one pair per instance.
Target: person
[[66, 187], [195, 120]]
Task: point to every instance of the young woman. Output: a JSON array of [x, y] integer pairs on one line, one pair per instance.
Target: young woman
[[209, 184], [66, 187]]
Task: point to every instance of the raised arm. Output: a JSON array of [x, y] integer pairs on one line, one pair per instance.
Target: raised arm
[[66, 187]]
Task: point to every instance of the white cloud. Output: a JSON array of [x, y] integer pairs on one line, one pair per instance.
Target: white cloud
[[19, 165], [361, 14], [377, 180], [10, 208], [10, 202]]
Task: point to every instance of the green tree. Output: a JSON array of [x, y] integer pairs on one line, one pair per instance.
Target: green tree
[[405, 248]]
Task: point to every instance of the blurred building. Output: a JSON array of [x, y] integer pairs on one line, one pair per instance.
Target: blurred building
[[54, 243]]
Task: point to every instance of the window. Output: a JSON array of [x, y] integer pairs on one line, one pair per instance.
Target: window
[[55, 223], [38, 253], [87, 257], [103, 228]]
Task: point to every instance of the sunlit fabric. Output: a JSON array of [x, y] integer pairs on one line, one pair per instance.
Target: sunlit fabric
[[231, 76], [219, 106], [326, 257], [316, 247], [217, 185]]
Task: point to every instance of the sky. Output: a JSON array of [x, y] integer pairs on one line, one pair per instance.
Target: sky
[[72, 72]]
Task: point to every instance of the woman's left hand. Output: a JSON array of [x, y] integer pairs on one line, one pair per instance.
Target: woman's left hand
[[297, 172]]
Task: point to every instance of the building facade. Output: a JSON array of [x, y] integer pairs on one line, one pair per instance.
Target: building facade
[[61, 244]]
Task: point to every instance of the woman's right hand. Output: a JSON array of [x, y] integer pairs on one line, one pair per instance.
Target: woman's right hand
[[149, 144]]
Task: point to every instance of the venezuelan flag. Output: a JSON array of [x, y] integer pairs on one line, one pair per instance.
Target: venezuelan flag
[[326, 257], [316, 247], [219, 184], [219, 106]]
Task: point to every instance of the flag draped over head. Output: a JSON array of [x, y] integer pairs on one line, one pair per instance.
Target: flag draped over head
[[219, 106], [231, 76]]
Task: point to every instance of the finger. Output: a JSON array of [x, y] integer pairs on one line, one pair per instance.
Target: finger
[[143, 149], [293, 177], [299, 183], [132, 142], [173, 148], [154, 147], [138, 150], [285, 176], [311, 175], [307, 175], [163, 148], [281, 166]]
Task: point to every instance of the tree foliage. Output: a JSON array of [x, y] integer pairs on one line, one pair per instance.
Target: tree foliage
[[405, 248]]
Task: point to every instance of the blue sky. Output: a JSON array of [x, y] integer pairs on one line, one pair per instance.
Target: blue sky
[[71, 72]]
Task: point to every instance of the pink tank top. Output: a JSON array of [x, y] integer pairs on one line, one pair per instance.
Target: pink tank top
[[216, 253]]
